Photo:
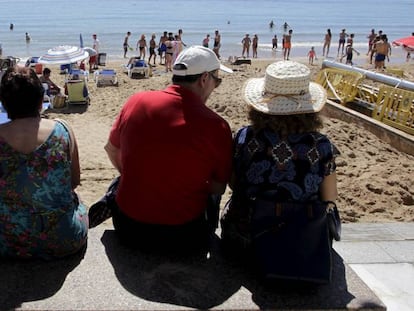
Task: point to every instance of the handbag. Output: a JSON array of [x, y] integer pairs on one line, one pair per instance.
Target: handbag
[[291, 240], [102, 210], [334, 221]]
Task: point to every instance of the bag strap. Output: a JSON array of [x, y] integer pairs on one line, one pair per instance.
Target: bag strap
[[68, 129]]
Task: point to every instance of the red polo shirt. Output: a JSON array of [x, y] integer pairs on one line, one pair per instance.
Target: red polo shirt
[[172, 147]]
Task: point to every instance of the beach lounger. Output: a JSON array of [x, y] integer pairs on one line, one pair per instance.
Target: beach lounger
[[78, 74], [77, 92], [138, 69], [106, 77]]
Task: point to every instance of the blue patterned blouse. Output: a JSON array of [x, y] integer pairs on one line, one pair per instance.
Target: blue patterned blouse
[[40, 215], [293, 168]]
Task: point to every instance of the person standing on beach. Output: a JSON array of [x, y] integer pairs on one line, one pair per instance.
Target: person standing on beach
[[381, 52], [311, 55], [93, 59], [174, 175], [152, 47], [274, 43], [162, 47], [349, 52], [246, 42], [169, 52], [342, 37], [287, 44], [142, 46], [255, 44], [126, 44], [371, 38], [180, 38], [350, 40], [206, 41], [327, 42], [217, 43]]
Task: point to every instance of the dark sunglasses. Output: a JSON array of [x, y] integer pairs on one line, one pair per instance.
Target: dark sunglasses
[[217, 80]]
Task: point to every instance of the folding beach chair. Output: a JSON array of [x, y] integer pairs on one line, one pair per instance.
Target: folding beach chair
[[77, 92]]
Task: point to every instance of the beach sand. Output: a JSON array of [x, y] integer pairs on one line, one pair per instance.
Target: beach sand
[[375, 181]]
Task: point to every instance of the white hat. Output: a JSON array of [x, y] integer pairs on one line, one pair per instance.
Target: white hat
[[196, 60], [285, 89]]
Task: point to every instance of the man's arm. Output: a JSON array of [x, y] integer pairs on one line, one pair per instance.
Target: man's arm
[[114, 155]]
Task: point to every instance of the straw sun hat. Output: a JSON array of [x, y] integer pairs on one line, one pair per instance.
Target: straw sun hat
[[285, 89]]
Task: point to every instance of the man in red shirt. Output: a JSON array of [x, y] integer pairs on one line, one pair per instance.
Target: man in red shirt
[[173, 154]]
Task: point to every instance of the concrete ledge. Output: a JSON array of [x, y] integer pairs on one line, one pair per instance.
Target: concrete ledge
[[112, 277], [398, 139]]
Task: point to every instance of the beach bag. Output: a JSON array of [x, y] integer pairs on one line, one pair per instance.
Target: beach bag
[[102, 210], [292, 240]]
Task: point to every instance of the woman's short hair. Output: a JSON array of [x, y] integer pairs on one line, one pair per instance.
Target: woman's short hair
[[285, 124], [21, 92], [185, 79]]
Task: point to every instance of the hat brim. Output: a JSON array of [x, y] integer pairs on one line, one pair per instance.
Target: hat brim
[[225, 69], [278, 104]]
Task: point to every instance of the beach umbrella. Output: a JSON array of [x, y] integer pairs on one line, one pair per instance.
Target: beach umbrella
[[407, 43], [91, 51], [80, 40], [63, 54]]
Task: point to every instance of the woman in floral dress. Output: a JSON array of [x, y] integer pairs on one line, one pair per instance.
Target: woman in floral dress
[[40, 214]]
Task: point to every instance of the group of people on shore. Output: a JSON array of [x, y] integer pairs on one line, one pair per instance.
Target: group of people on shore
[[379, 47], [168, 47]]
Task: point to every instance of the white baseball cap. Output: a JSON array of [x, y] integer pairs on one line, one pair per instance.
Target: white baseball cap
[[196, 60]]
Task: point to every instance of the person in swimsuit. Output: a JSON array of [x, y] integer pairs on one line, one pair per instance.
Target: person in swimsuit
[[169, 52], [152, 47], [206, 40], [327, 42], [217, 43], [342, 37], [126, 45], [255, 43], [162, 47], [142, 46], [246, 42], [287, 44]]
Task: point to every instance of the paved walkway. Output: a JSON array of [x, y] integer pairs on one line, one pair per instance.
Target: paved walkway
[[382, 255]]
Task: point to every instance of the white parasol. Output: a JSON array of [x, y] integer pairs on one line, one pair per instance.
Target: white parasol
[[63, 54]]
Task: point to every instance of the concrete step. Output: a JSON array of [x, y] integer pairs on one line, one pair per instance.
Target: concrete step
[[112, 277]]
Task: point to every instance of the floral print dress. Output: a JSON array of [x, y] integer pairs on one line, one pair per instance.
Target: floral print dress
[[40, 215], [291, 169]]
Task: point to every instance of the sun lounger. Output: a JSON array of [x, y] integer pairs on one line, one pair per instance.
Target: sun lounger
[[137, 68], [106, 77], [78, 74]]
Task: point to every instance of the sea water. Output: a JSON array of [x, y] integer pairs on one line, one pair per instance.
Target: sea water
[[60, 22]]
